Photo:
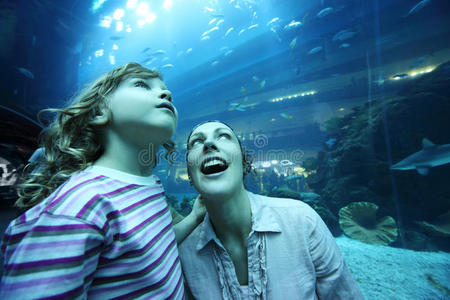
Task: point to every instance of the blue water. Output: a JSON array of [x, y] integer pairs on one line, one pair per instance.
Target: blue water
[[326, 95]]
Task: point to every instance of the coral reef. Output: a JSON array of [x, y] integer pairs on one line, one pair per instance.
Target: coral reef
[[359, 221], [382, 132], [441, 226]]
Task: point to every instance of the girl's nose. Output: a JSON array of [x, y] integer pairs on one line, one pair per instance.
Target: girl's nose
[[166, 94]]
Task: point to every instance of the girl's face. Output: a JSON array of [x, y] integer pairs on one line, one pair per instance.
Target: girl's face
[[215, 160], [142, 110]]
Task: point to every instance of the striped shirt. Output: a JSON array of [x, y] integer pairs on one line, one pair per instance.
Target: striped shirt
[[103, 234]]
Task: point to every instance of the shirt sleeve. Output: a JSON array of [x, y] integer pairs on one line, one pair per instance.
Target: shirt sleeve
[[333, 278], [50, 257]]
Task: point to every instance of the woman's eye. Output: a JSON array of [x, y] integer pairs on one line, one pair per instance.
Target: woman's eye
[[225, 135], [195, 142], [141, 84]]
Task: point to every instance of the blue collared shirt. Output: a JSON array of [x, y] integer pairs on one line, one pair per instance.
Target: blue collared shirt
[[291, 255]]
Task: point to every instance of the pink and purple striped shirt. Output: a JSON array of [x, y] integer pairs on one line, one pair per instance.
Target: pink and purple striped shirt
[[103, 234]]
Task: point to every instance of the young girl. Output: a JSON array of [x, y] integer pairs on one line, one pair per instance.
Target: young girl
[[251, 246], [98, 225]]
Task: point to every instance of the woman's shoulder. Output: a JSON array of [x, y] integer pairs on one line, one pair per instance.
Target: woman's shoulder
[[285, 208], [275, 202]]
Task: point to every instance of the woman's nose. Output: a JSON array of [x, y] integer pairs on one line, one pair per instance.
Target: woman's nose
[[208, 145]]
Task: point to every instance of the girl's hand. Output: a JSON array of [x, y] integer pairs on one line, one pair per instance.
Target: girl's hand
[[198, 209]]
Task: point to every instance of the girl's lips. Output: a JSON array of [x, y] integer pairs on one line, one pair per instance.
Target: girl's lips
[[167, 105]]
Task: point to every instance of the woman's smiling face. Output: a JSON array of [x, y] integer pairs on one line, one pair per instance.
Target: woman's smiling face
[[215, 160]]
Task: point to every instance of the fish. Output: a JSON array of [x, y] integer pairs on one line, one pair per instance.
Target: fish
[[276, 34], [241, 32], [417, 62], [243, 90], [324, 12], [212, 21], [418, 7], [272, 21], [167, 66], [343, 35], [228, 31], [159, 52], [214, 63], [116, 37], [206, 37], [211, 30], [344, 45], [228, 52], [217, 15], [180, 53], [236, 106], [150, 60], [330, 142], [261, 85], [286, 116], [188, 50], [293, 24], [255, 79], [209, 9], [431, 155], [165, 59], [305, 16], [315, 50], [292, 45], [220, 22], [27, 73], [245, 99], [145, 50], [252, 26], [385, 39]]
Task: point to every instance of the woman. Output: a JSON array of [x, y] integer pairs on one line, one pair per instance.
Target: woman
[[251, 246]]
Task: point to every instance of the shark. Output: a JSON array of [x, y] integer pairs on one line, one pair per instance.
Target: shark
[[431, 155]]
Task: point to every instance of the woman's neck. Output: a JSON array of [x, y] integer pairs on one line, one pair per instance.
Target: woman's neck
[[231, 216]]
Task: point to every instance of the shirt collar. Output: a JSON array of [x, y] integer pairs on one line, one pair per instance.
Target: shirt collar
[[263, 220]]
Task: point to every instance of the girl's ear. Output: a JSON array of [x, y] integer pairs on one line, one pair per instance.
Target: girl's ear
[[102, 118]]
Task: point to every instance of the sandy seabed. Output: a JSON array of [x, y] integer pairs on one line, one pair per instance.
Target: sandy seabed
[[384, 272]]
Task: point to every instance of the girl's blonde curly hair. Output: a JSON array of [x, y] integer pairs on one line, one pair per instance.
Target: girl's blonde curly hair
[[70, 142]]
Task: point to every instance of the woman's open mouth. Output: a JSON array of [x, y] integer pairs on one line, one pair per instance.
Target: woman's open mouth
[[213, 165]]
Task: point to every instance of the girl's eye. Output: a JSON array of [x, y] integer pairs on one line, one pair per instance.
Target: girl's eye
[[141, 84]]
